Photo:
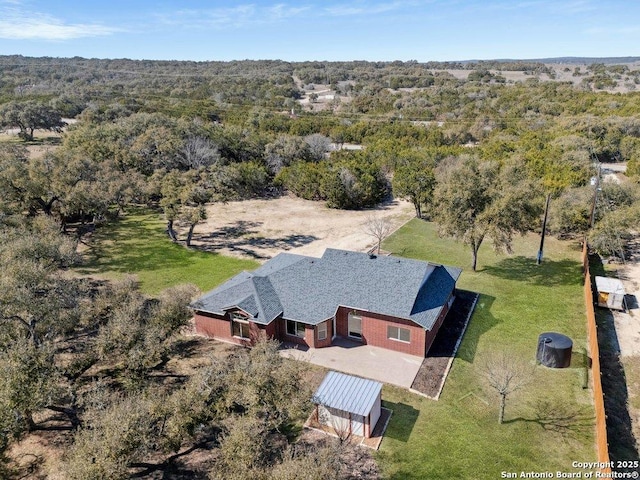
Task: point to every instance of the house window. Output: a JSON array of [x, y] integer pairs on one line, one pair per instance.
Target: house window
[[355, 325], [398, 333], [295, 328], [322, 331], [239, 326]]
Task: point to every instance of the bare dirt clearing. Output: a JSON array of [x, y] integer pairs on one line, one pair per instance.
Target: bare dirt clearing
[[260, 229]]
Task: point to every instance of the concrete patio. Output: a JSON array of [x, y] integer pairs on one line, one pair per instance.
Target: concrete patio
[[365, 361]]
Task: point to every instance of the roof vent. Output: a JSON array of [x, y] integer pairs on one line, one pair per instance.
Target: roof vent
[[372, 256]]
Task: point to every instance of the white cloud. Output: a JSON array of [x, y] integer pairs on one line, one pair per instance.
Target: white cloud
[[217, 17], [618, 30], [251, 14], [367, 8], [18, 25], [236, 17], [284, 11]]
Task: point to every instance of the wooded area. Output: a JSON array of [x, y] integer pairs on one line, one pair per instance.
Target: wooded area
[[476, 155]]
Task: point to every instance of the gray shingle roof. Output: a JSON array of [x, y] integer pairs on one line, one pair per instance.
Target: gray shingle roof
[[309, 289], [347, 393]]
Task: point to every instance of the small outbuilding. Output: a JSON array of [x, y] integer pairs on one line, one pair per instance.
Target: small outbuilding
[[610, 292], [350, 405]]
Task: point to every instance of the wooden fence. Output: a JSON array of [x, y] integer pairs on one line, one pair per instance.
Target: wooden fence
[[602, 446]]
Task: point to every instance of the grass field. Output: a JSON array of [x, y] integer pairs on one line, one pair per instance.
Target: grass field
[[137, 245], [549, 423]]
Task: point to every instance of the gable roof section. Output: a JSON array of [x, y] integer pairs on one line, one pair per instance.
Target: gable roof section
[[347, 393], [309, 289], [433, 294], [255, 295]]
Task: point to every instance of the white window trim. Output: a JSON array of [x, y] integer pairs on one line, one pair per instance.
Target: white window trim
[[240, 319], [397, 339], [296, 329], [350, 316], [322, 328]]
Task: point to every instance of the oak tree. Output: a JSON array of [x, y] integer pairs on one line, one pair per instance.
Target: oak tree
[[477, 200]]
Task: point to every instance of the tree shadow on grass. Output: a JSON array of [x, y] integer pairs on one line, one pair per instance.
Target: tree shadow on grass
[[133, 244], [402, 421], [121, 257], [562, 418], [244, 237], [524, 269]]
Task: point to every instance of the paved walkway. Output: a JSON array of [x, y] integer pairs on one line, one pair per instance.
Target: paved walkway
[[366, 361]]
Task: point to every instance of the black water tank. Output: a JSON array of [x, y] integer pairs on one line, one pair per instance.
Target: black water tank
[[554, 350]]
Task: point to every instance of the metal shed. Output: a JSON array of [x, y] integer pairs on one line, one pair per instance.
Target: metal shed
[[350, 405], [610, 292]]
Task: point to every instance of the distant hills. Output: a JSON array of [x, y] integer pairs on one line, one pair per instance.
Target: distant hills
[[563, 60]]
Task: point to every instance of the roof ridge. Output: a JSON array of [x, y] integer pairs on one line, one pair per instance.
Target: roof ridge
[[258, 298]]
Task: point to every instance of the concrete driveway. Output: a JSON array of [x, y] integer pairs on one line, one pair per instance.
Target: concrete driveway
[[366, 361]]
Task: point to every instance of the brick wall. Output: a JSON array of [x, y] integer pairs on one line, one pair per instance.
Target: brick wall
[[310, 338], [374, 331], [282, 335], [219, 327], [327, 341], [431, 334]]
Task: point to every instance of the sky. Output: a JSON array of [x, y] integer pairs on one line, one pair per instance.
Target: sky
[[374, 30]]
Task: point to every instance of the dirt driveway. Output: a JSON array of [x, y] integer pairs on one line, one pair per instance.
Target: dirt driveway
[[261, 229]]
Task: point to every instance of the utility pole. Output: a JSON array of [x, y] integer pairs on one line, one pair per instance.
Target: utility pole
[[544, 231], [595, 181]]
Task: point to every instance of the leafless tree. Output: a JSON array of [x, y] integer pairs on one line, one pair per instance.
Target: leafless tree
[[506, 374], [341, 425], [198, 152], [379, 228], [319, 145]]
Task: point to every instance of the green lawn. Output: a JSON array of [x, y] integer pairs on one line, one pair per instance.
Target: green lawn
[[549, 423], [137, 244]]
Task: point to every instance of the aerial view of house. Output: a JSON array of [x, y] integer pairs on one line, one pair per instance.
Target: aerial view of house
[[234, 236], [389, 302]]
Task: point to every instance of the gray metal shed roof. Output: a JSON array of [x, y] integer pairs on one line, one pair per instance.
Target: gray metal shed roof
[[347, 393], [309, 289]]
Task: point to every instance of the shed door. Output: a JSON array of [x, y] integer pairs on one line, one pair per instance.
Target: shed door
[[357, 424], [339, 420]]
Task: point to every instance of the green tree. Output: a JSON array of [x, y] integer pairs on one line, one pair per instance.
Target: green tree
[[476, 200], [29, 116], [29, 380], [354, 181], [14, 181], [415, 181], [284, 151], [36, 301], [139, 331], [570, 212], [184, 195], [613, 229]]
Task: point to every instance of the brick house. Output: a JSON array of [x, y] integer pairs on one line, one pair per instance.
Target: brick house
[[389, 302]]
